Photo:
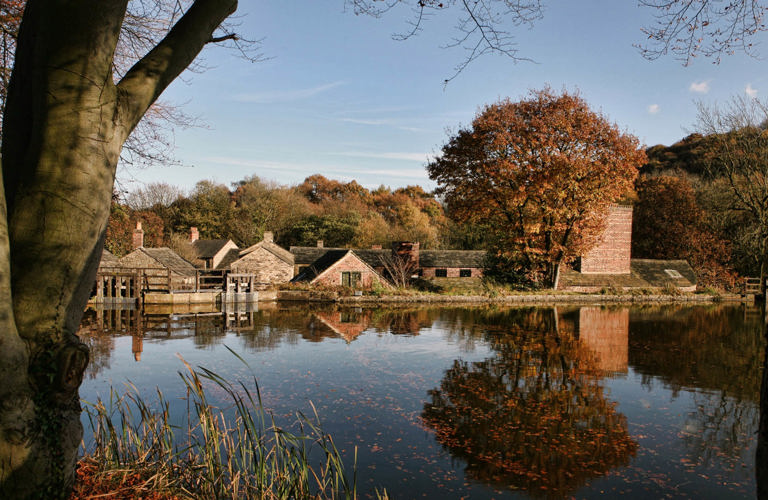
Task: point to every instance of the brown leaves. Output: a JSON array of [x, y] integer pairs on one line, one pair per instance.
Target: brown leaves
[[542, 171]]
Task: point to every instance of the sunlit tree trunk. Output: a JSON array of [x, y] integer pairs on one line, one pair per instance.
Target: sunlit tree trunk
[[64, 125]]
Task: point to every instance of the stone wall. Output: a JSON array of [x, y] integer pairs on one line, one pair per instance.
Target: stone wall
[[267, 267], [612, 253]]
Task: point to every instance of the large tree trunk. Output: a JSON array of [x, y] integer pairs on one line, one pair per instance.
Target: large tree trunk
[[65, 123]]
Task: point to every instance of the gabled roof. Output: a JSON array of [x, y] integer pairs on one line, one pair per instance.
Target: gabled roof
[[326, 260], [171, 260], [307, 255], [274, 249], [206, 249], [451, 258], [108, 259], [232, 255]]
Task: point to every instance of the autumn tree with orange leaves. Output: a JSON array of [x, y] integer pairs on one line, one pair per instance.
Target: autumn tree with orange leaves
[[540, 173]]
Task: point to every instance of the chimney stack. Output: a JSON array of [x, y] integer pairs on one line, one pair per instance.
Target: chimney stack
[[194, 235], [319, 243], [138, 236], [268, 236]]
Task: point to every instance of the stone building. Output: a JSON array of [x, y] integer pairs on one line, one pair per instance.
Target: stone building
[[269, 262], [212, 254], [181, 272]]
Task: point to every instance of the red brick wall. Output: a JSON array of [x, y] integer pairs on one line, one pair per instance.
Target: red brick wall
[[606, 333], [332, 275], [612, 253], [453, 272]]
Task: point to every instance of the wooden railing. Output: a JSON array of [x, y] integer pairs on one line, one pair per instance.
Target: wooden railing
[[752, 286]]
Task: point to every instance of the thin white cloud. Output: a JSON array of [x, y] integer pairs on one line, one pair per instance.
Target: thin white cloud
[[700, 87], [384, 122], [361, 121], [286, 95], [386, 156], [653, 109], [750, 91]]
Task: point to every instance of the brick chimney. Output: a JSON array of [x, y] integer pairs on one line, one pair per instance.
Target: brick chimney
[[319, 243], [268, 236], [138, 236], [194, 235], [408, 250], [612, 253]]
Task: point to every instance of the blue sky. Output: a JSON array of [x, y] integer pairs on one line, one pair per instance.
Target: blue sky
[[338, 96]]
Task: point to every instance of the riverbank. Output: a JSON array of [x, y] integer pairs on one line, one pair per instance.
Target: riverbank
[[521, 298]]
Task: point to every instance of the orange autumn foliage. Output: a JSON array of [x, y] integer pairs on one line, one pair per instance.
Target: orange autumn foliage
[[541, 172]]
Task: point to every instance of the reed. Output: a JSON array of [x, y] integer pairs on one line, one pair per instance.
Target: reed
[[237, 451]]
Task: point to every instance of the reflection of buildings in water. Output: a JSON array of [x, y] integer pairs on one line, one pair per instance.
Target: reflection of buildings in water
[[347, 324], [137, 346], [606, 333]]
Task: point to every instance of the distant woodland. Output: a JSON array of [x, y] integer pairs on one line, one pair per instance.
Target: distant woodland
[[683, 209]]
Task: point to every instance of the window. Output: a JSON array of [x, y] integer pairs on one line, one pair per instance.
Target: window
[[350, 278], [673, 273], [465, 273], [441, 273]]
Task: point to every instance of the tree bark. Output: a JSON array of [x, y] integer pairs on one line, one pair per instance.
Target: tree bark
[[64, 125]]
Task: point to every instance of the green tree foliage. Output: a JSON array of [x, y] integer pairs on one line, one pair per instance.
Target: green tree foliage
[[540, 174]]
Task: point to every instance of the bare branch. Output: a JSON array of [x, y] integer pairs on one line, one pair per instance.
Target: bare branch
[[689, 28]]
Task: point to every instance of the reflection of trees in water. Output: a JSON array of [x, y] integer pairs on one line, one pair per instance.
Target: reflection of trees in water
[[720, 429], [534, 416], [718, 353], [712, 348]]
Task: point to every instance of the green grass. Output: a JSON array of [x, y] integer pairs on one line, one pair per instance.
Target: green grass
[[244, 456]]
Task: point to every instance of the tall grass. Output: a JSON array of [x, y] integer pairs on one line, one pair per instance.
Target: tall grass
[[235, 452]]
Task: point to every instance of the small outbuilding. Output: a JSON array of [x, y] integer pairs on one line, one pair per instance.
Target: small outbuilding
[[341, 268], [180, 273]]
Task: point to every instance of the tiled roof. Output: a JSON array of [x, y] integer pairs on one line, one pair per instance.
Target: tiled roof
[[171, 260]]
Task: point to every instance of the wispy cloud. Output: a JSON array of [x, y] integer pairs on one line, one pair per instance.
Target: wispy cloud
[[386, 156], [378, 122], [653, 109], [750, 91], [701, 87], [286, 95]]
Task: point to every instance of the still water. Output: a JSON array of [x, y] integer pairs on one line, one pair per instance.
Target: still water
[[486, 402]]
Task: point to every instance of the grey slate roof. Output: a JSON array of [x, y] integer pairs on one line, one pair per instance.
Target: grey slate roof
[[373, 257], [273, 248], [326, 260], [644, 273], [171, 260], [108, 259], [206, 249], [232, 255], [451, 258]]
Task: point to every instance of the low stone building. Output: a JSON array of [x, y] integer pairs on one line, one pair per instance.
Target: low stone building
[[269, 262], [609, 264], [341, 268]]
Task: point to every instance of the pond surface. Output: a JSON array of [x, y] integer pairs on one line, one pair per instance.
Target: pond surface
[[486, 402]]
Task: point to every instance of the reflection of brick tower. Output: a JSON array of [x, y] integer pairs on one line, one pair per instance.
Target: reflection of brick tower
[[137, 346], [612, 253], [606, 333], [408, 250]]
